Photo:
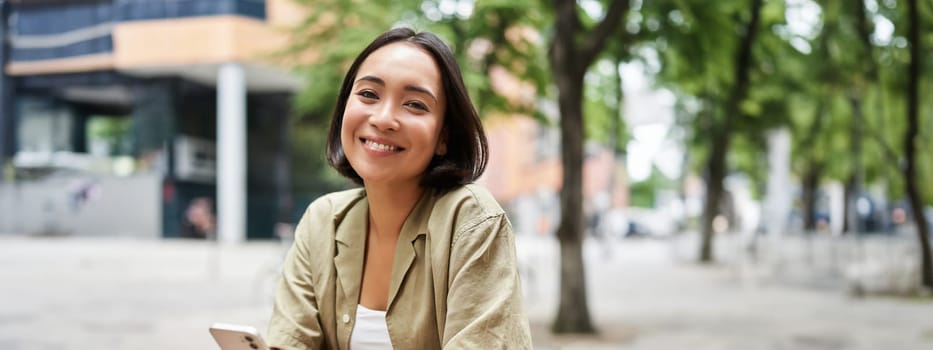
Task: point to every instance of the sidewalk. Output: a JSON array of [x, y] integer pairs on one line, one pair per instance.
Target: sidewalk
[[645, 295], [68, 293]]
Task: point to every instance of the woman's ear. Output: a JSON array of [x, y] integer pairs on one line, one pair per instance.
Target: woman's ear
[[441, 148]]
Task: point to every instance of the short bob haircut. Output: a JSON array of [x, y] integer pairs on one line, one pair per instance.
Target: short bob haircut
[[467, 149]]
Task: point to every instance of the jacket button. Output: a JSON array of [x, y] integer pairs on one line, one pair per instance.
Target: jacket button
[[346, 318]]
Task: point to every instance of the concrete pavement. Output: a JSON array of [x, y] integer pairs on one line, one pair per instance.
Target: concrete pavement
[[80, 293]]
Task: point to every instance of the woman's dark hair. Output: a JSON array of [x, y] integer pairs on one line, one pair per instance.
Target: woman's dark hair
[[467, 149]]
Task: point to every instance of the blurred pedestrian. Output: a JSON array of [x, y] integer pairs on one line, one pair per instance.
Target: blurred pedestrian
[[419, 257], [200, 221]]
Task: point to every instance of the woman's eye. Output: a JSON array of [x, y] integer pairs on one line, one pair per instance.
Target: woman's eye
[[417, 105], [367, 94]]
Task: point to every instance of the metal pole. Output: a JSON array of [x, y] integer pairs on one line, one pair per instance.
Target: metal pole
[[7, 118], [231, 153]]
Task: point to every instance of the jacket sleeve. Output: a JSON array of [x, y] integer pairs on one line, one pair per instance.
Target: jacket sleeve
[[295, 323], [484, 302]]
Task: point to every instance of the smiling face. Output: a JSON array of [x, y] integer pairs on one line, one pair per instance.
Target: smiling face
[[394, 116]]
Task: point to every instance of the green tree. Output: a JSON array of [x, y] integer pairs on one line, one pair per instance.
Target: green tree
[[643, 192], [851, 114], [722, 131], [839, 131], [911, 140], [820, 123], [573, 48], [708, 51]]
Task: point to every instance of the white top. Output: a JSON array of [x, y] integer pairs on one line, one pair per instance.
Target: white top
[[370, 331]]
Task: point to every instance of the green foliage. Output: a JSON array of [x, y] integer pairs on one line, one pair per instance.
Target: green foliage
[[603, 105], [746, 156], [696, 44], [811, 86], [642, 193], [804, 81], [310, 170], [106, 127], [113, 131], [850, 68], [496, 34]]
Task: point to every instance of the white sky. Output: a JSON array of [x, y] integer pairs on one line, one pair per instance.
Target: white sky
[[649, 117]]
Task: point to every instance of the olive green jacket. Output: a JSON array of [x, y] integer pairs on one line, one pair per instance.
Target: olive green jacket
[[454, 283]]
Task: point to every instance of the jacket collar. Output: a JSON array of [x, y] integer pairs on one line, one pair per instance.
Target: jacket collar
[[351, 223], [414, 228]]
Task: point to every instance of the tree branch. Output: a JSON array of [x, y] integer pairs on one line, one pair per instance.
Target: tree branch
[[596, 39], [566, 24], [743, 67], [863, 27], [887, 150]]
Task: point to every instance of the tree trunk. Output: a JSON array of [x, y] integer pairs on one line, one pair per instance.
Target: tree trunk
[[617, 112], [814, 168], [810, 184], [569, 61], [615, 144], [854, 187], [849, 224], [910, 143], [715, 173], [573, 315], [716, 164]]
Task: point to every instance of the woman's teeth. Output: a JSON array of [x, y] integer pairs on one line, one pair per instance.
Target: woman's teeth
[[379, 146]]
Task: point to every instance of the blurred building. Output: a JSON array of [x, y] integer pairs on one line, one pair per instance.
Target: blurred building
[[525, 175], [118, 116], [525, 172]]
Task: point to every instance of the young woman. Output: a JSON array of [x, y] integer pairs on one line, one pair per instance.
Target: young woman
[[419, 257]]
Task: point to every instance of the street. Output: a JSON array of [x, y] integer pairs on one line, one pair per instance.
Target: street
[[84, 293]]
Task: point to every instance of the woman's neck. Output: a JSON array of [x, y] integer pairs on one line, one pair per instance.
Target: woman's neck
[[389, 206]]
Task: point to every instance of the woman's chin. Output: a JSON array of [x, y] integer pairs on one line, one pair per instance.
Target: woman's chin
[[388, 181]]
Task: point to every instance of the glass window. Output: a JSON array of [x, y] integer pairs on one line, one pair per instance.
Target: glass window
[[44, 126], [109, 136]]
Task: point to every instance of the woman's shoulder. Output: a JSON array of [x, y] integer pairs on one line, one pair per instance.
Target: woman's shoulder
[[472, 194], [335, 203], [469, 201], [323, 214]]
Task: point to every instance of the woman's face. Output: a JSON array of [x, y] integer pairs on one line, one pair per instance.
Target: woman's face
[[394, 116]]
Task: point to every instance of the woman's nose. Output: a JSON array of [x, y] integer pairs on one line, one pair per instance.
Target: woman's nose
[[384, 119]]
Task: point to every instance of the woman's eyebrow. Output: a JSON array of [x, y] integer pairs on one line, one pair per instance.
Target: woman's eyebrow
[[371, 78], [422, 90], [414, 88]]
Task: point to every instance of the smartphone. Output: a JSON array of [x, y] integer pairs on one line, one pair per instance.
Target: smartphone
[[237, 337]]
